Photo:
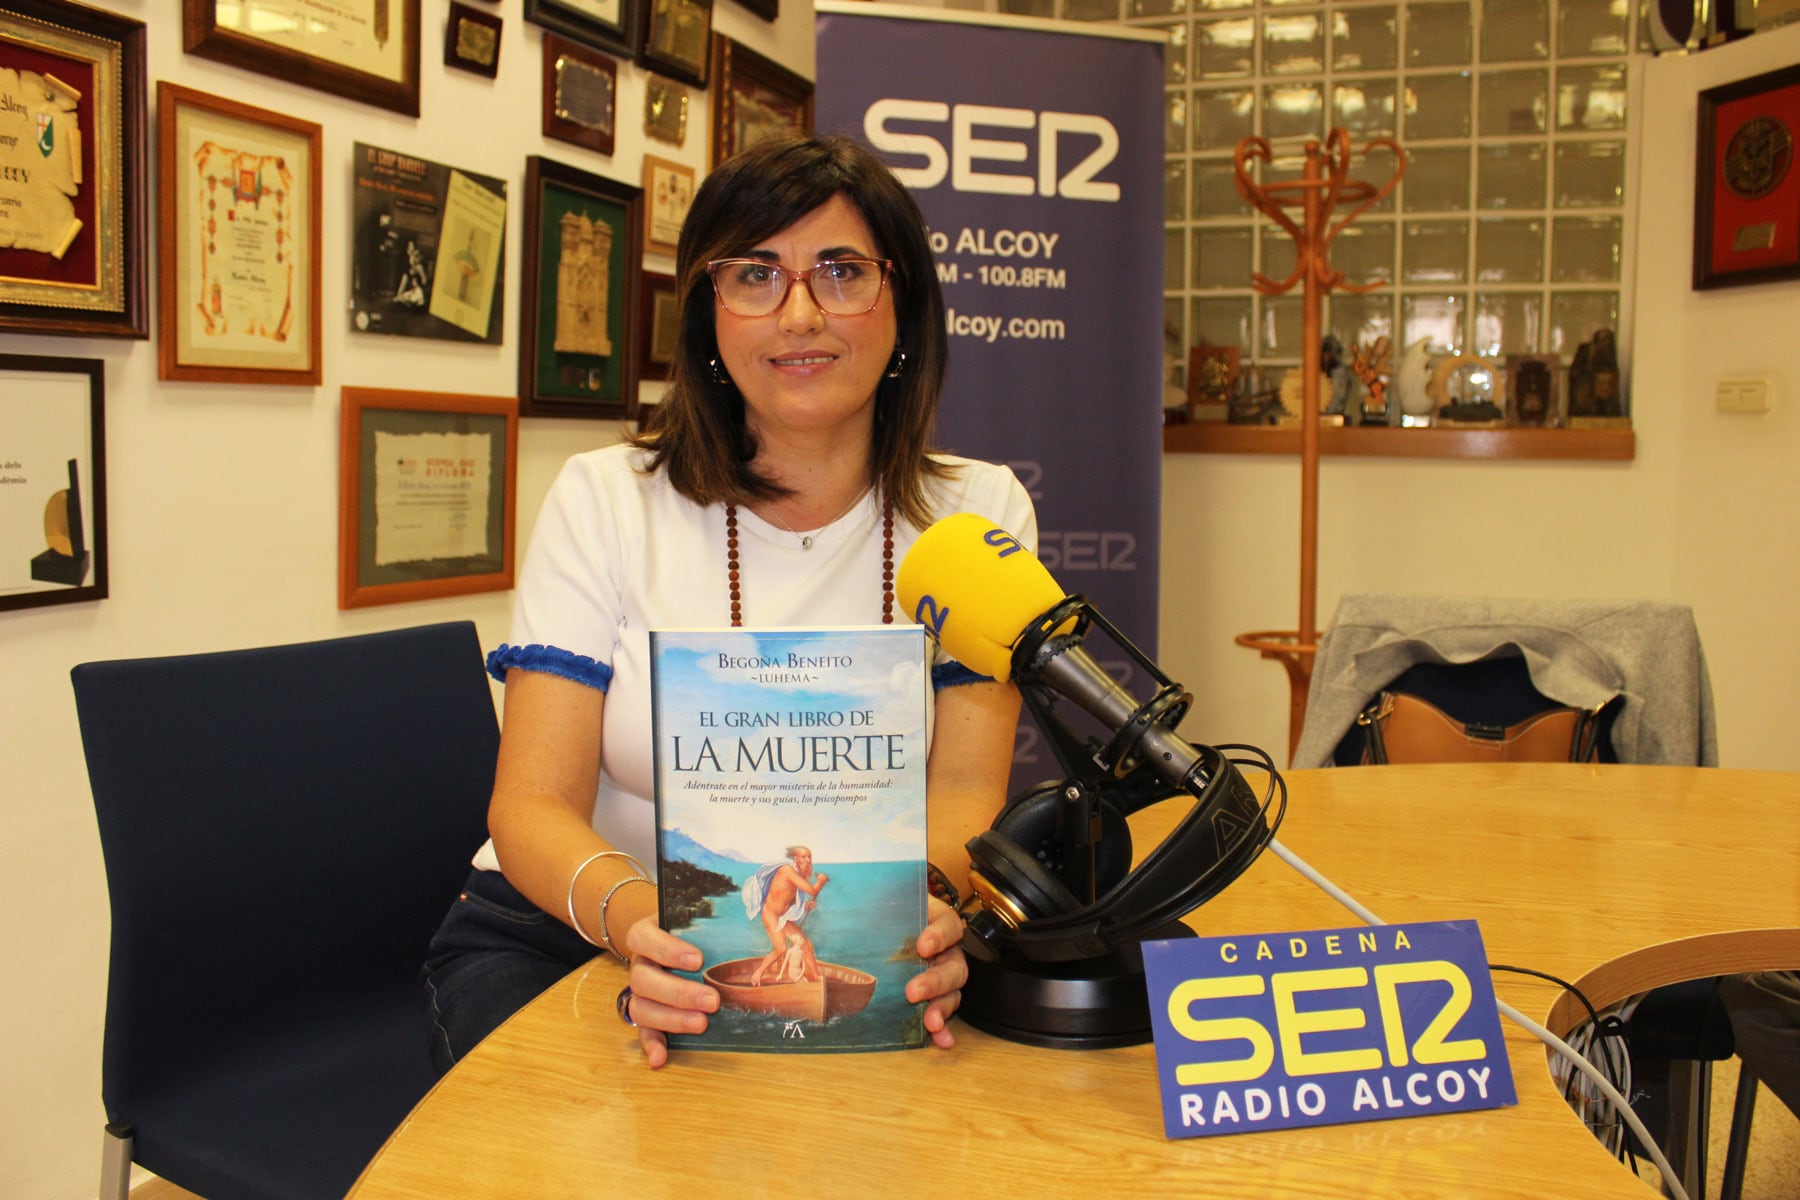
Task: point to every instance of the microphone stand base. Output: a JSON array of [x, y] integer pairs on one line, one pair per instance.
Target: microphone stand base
[[1089, 1004]]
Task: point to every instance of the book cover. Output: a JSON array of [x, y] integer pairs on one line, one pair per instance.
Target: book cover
[[790, 818]]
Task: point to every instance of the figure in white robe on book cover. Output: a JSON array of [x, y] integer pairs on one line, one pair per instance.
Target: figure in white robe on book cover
[[782, 894]]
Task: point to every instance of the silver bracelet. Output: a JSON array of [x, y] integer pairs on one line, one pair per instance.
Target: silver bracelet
[[575, 922], [606, 942]]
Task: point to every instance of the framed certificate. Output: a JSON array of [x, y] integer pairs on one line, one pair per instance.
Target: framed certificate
[[238, 241], [583, 256], [472, 41], [72, 171], [669, 191], [665, 110], [581, 92], [426, 488], [365, 50], [1747, 191], [677, 35], [429, 253], [753, 95], [661, 326], [611, 25], [52, 480]]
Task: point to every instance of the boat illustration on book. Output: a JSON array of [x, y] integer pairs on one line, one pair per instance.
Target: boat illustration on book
[[838, 992]]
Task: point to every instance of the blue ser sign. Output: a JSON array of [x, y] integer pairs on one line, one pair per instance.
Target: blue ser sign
[[1324, 1027]]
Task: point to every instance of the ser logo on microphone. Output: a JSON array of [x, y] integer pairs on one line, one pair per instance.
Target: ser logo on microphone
[[1003, 541], [930, 615]]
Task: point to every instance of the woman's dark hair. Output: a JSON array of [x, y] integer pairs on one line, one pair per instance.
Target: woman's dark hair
[[697, 433]]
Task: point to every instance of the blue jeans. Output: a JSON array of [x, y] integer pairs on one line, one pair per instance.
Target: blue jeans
[[493, 954]]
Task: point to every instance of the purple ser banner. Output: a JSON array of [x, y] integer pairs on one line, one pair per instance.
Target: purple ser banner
[[1035, 150]]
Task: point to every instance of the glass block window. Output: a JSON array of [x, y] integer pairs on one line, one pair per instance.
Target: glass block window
[[1509, 232]]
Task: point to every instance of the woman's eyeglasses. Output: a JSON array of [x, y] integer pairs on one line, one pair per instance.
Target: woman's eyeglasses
[[841, 287]]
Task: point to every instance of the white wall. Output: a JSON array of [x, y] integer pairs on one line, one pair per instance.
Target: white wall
[[222, 504], [1736, 527], [1705, 515]]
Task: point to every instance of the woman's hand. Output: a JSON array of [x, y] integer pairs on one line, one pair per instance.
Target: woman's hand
[[945, 972], [661, 1001]]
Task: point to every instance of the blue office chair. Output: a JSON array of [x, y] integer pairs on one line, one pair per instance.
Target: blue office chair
[[283, 828]]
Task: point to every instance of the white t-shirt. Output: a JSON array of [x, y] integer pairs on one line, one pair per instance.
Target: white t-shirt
[[617, 553]]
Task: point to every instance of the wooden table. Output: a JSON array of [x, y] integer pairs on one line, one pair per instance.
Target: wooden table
[[1617, 877]]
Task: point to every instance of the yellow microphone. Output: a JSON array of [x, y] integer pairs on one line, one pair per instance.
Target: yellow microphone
[[979, 592], [975, 589]]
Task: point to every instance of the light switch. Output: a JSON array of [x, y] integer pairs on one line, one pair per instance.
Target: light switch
[[1742, 396]]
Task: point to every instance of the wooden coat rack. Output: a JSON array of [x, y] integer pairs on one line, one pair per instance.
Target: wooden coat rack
[[1324, 185]]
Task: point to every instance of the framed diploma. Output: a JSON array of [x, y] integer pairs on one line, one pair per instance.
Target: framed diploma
[[426, 487], [583, 256], [611, 25], [1747, 191], [429, 250], [669, 189], [753, 96], [581, 90], [365, 50], [472, 41], [237, 241], [677, 36], [73, 183], [52, 480], [661, 325]]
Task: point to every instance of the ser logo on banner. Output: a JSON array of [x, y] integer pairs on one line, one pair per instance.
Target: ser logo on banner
[[1325, 1027], [967, 148]]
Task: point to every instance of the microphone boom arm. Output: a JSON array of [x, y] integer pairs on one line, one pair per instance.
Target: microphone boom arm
[[1142, 761], [1046, 663]]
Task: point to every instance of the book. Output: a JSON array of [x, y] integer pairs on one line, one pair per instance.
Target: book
[[790, 829]]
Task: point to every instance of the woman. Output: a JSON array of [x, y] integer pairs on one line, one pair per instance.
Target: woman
[[779, 481]]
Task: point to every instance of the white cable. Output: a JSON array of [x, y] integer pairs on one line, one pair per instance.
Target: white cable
[[1590, 1041], [1676, 1190]]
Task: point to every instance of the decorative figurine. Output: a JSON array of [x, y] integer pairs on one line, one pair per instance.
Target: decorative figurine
[[1604, 361], [1581, 383], [1212, 381], [1594, 378], [1371, 365], [1339, 381], [1411, 380], [1531, 397], [1466, 388]]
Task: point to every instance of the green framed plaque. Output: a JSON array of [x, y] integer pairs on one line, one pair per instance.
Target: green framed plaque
[[583, 258]]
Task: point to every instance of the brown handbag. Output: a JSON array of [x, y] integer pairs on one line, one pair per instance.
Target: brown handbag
[[1402, 728]]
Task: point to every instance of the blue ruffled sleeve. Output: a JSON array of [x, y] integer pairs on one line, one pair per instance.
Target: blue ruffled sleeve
[[950, 673], [550, 660]]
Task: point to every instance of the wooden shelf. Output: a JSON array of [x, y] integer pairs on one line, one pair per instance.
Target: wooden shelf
[[1381, 441]]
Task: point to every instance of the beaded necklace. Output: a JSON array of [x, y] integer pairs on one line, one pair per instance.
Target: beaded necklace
[[734, 576]]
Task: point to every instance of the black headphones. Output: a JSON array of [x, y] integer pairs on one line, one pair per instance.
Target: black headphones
[[1028, 896], [1024, 904]]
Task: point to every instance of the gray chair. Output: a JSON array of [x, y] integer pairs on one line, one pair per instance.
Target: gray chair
[[1576, 652], [1494, 661], [283, 828]]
